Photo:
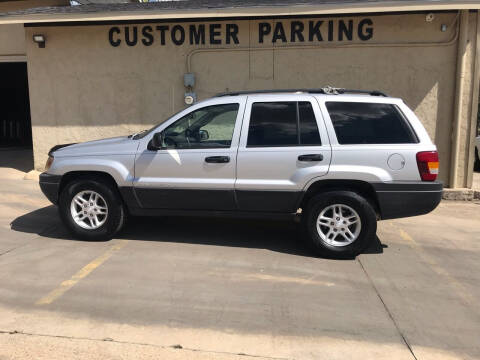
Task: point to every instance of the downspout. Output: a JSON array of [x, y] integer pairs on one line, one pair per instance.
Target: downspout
[[459, 95], [474, 109]]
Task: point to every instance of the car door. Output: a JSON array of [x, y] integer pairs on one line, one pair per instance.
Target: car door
[[195, 167], [284, 145]]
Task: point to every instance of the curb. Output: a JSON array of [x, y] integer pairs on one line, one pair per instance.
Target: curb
[[32, 175], [462, 194]]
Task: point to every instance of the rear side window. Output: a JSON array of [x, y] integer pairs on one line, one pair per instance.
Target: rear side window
[[287, 123], [369, 123]]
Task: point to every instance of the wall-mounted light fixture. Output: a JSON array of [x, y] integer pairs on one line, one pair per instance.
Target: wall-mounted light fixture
[[40, 40]]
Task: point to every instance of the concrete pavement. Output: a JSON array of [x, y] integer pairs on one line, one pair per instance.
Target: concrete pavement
[[180, 288]]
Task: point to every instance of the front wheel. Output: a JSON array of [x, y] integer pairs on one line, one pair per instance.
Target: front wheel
[[340, 224], [91, 210]]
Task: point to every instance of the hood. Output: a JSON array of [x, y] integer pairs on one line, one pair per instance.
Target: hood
[[121, 145]]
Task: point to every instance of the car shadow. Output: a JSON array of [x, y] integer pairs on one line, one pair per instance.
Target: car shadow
[[279, 236]]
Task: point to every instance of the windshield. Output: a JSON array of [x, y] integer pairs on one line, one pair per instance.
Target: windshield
[[143, 133]]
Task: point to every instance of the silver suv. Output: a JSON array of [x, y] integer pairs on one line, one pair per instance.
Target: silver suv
[[336, 159]]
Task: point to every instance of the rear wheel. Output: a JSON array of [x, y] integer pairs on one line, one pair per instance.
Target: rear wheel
[[91, 209], [340, 224]]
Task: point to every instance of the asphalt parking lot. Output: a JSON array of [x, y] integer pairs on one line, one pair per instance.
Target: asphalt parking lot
[[181, 288]]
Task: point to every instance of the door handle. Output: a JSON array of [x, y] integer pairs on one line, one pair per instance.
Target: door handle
[[310, 157], [217, 159]]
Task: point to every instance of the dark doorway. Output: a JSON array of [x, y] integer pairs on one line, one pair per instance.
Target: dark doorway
[[15, 124]]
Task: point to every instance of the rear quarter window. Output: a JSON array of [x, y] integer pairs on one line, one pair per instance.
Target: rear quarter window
[[369, 123]]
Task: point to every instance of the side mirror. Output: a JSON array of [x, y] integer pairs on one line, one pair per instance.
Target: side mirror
[[156, 142], [203, 135]]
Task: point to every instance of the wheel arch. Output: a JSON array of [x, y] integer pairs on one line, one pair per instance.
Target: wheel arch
[[116, 213], [86, 175], [362, 188]]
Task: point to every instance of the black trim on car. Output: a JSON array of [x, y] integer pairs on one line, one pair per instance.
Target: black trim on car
[[395, 200], [56, 147], [50, 184], [136, 211], [185, 200], [404, 199], [129, 197], [408, 186], [267, 200], [180, 199]]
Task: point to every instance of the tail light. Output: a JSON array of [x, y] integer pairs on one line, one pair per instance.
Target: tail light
[[427, 162]]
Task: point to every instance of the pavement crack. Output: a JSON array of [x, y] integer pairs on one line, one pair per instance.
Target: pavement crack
[[12, 249], [176, 346], [387, 310]]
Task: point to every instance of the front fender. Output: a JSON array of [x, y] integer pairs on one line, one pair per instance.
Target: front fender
[[120, 167]]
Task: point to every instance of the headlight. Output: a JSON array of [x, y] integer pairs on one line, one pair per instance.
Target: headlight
[[49, 162]]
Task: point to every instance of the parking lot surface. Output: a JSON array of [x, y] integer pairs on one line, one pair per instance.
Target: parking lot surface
[[192, 288]]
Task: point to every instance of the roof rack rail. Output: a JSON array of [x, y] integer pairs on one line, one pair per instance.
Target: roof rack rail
[[366, 92], [328, 90]]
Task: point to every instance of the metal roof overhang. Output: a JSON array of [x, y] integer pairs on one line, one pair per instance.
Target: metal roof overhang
[[238, 12]]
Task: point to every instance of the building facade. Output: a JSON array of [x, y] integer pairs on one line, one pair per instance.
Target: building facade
[[113, 70]]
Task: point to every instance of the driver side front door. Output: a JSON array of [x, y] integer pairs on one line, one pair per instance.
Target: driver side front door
[[195, 168]]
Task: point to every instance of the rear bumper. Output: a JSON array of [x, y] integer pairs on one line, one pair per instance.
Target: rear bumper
[[397, 200], [50, 184]]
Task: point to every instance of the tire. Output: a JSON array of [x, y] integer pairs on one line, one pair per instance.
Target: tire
[[338, 246], [108, 225]]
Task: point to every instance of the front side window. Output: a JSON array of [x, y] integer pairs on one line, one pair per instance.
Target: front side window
[[208, 127], [369, 123], [289, 123]]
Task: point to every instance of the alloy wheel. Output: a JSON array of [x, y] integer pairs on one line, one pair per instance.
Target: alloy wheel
[[339, 225], [89, 209]]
